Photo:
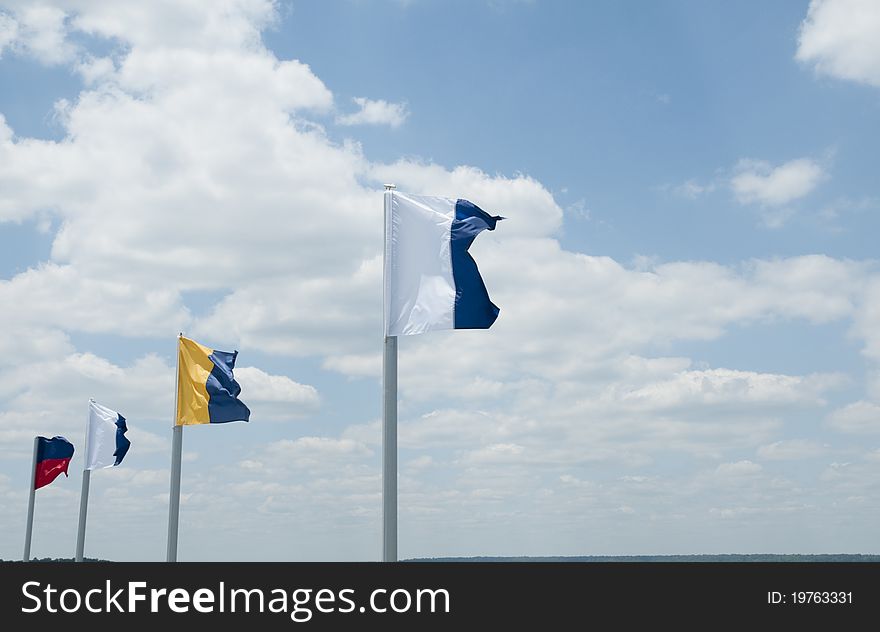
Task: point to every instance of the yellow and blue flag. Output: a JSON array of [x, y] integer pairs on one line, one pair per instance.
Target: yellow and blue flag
[[207, 392]]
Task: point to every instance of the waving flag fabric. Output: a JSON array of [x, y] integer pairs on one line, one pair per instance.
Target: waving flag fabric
[[106, 445], [207, 392], [431, 281], [53, 458]]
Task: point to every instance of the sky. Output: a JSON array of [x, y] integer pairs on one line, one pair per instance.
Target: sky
[[687, 359]]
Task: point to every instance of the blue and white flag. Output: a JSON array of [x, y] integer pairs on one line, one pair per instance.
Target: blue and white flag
[[106, 444], [431, 281]]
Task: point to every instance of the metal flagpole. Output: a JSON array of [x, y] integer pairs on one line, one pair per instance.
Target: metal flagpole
[[176, 451], [30, 517], [83, 508], [389, 418], [84, 495], [174, 498]]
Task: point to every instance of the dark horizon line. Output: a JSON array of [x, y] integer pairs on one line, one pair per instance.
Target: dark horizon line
[[684, 557]]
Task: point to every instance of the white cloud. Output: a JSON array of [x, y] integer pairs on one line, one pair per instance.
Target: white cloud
[[858, 418], [459, 427], [725, 386], [422, 462], [149, 442], [286, 84], [146, 387], [758, 182], [364, 365], [852, 483], [377, 112], [496, 453], [142, 392], [310, 312], [8, 31], [738, 469], [790, 449], [529, 208], [275, 396], [96, 69], [37, 30], [275, 388], [692, 189], [33, 343], [867, 320], [844, 205], [579, 209], [745, 512], [62, 296], [316, 452], [574, 481], [777, 217], [229, 24], [608, 313], [839, 37]]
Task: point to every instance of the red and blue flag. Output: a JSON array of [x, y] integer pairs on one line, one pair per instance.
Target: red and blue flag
[[53, 458]]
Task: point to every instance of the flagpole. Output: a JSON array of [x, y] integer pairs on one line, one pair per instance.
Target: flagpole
[[389, 452], [30, 517], [176, 451], [84, 496], [389, 417], [83, 509]]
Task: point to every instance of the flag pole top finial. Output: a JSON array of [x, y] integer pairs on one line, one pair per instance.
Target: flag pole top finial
[[390, 187]]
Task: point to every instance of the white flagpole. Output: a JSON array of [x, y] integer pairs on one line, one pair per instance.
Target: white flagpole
[[176, 451], [30, 516], [84, 494], [389, 416], [83, 509]]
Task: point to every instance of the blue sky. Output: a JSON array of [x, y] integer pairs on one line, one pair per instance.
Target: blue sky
[[686, 359]]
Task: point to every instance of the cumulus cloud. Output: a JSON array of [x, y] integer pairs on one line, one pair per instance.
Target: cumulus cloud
[[364, 365], [691, 189], [318, 445], [62, 296], [275, 388], [738, 469], [8, 31], [311, 453], [724, 386], [759, 182], [790, 450], [275, 396], [95, 69], [234, 24], [860, 417], [143, 392], [37, 30], [496, 453], [558, 301], [867, 318], [839, 38], [529, 208], [377, 112], [146, 385]]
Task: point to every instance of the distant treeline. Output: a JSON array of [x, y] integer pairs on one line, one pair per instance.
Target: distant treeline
[[757, 557], [57, 559], [732, 557]]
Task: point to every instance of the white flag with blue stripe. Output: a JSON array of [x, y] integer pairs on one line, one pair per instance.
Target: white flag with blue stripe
[[106, 443], [431, 281]]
